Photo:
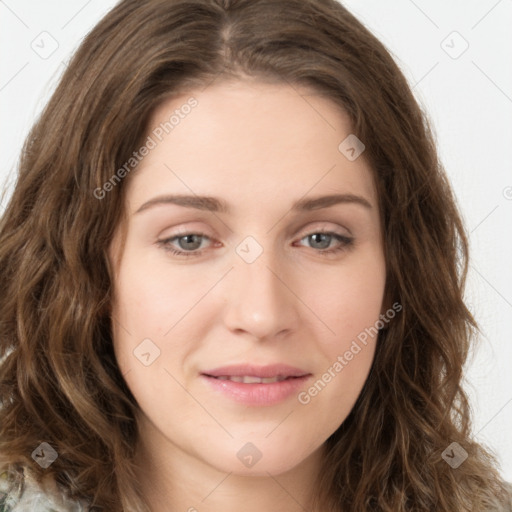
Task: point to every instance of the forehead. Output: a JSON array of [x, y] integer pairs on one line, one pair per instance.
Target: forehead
[[248, 140]]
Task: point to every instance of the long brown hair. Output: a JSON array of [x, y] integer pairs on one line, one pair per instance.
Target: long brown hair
[[59, 381]]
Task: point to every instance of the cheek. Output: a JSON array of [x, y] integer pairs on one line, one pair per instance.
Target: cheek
[[351, 308], [350, 304], [152, 297], [349, 300], [153, 302]]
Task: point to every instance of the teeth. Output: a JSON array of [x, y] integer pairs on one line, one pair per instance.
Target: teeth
[[249, 379]]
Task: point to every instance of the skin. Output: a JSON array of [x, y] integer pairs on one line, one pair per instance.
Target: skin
[[259, 147]]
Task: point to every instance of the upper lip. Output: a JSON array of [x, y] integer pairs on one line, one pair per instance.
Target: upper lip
[[272, 370]]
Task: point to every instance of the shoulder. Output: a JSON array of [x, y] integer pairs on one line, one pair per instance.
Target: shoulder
[[28, 496]]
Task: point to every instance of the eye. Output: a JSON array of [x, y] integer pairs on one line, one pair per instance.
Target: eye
[[322, 240], [190, 243]]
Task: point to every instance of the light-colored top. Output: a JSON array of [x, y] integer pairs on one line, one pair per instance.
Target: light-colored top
[[35, 498]]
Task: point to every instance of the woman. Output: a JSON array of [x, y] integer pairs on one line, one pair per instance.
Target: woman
[[173, 338]]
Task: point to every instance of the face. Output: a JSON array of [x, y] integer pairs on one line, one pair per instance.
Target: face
[[262, 279]]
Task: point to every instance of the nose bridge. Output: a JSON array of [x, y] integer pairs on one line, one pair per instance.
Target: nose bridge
[[258, 300]]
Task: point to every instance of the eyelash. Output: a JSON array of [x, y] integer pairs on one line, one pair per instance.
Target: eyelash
[[346, 243]]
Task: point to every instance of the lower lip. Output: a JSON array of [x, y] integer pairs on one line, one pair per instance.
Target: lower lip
[[257, 394]]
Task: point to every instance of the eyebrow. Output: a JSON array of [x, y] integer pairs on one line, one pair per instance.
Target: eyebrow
[[213, 204]]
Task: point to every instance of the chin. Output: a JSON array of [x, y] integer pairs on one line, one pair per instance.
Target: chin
[[258, 457]]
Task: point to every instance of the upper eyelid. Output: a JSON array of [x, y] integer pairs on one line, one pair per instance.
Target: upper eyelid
[[314, 229]]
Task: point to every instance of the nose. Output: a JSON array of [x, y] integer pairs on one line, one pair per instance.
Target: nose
[[260, 298]]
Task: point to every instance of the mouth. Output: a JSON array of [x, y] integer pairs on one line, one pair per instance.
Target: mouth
[[250, 379], [277, 371], [256, 385]]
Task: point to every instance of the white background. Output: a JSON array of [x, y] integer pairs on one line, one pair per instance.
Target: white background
[[468, 97]]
